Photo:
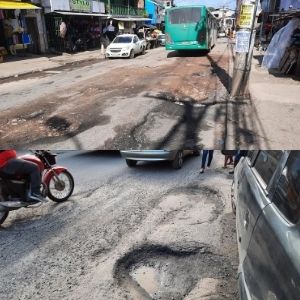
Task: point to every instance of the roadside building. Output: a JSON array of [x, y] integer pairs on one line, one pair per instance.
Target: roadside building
[[73, 25], [226, 20], [155, 11], [126, 15], [21, 28]]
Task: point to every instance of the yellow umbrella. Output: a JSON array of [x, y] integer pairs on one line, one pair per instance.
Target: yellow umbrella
[[17, 5]]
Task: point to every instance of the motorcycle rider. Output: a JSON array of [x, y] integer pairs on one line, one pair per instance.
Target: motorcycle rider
[[11, 165]]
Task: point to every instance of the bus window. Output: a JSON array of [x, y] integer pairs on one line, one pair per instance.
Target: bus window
[[185, 15]]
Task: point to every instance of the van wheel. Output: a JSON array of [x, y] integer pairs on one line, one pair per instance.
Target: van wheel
[[178, 161], [131, 163]]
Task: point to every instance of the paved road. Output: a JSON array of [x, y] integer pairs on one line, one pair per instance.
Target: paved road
[[157, 100], [145, 233]]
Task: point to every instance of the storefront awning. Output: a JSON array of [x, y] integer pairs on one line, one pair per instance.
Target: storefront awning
[[69, 13], [131, 19], [17, 5]]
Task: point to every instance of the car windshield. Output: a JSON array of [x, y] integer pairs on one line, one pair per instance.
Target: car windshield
[[122, 39]]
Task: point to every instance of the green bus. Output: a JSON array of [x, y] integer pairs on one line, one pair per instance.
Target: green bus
[[190, 28]]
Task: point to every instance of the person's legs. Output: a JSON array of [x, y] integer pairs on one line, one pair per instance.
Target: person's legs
[[237, 158], [210, 157], [204, 157], [19, 166]]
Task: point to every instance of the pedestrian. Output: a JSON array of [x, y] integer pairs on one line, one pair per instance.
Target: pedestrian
[[228, 156], [206, 154]]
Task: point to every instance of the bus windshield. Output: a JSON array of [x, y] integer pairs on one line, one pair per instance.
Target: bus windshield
[[185, 15]]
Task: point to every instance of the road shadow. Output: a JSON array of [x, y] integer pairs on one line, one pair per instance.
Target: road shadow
[[222, 74], [187, 53]]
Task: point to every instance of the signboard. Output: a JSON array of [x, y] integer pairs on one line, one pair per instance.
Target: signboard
[[242, 41], [81, 5], [246, 15]]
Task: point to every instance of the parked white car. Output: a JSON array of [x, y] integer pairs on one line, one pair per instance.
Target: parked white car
[[126, 45]]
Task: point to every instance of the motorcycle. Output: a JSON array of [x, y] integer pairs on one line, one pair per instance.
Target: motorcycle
[[57, 184]]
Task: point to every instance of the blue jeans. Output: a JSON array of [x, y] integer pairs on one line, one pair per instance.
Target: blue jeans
[[210, 154]]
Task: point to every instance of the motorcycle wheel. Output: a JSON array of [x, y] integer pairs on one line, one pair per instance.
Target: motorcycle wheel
[[3, 216], [59, 191]]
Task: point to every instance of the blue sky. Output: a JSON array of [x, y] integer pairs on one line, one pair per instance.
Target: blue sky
[[213, 3]]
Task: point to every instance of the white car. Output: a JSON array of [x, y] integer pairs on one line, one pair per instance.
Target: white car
[[126, 45]]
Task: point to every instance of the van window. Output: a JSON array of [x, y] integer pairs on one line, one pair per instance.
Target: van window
[[266, 163], [286, 196]]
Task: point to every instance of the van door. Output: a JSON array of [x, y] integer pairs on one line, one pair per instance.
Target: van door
[[252, 194], [272, 265]]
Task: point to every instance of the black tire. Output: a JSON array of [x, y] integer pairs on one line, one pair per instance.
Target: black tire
[[3, 216], [178, 161], [143, 51], [64, 197], [131, 56], [131, 163]]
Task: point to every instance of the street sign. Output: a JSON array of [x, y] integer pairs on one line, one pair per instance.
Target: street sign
[[242, 41], [246, 16]]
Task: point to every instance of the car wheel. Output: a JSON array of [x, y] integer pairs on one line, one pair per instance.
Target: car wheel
[[131, 54], [178, 161], [131, 163], [143, 51]]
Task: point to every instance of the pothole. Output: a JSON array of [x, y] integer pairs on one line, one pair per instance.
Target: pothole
[[148, 278], [161, 272]]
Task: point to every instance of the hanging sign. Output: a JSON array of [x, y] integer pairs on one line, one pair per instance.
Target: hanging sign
[[246, 15], [81, 5], [242, 41]]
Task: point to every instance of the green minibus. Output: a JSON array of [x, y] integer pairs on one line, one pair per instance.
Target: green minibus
[[190, 28]]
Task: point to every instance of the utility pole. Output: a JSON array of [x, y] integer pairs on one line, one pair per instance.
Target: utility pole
[[245, 36]]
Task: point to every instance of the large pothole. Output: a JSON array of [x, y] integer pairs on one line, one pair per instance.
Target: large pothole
[[159, 272]]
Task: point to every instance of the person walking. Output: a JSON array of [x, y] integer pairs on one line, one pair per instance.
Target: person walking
[[228, 157], [206, 155]]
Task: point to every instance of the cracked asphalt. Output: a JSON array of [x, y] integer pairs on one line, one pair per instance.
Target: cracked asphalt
[[157, 100], [150, 232]]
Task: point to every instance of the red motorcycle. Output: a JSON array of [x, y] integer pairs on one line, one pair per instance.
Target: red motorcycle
[[57, 184]]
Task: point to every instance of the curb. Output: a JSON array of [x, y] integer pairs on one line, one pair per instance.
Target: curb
[[21, 74]]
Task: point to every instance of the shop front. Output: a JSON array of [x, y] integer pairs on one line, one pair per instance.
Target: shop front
[[19, 28], [74, 25]]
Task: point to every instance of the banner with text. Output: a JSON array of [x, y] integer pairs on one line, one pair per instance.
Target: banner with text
[[81, 5]]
